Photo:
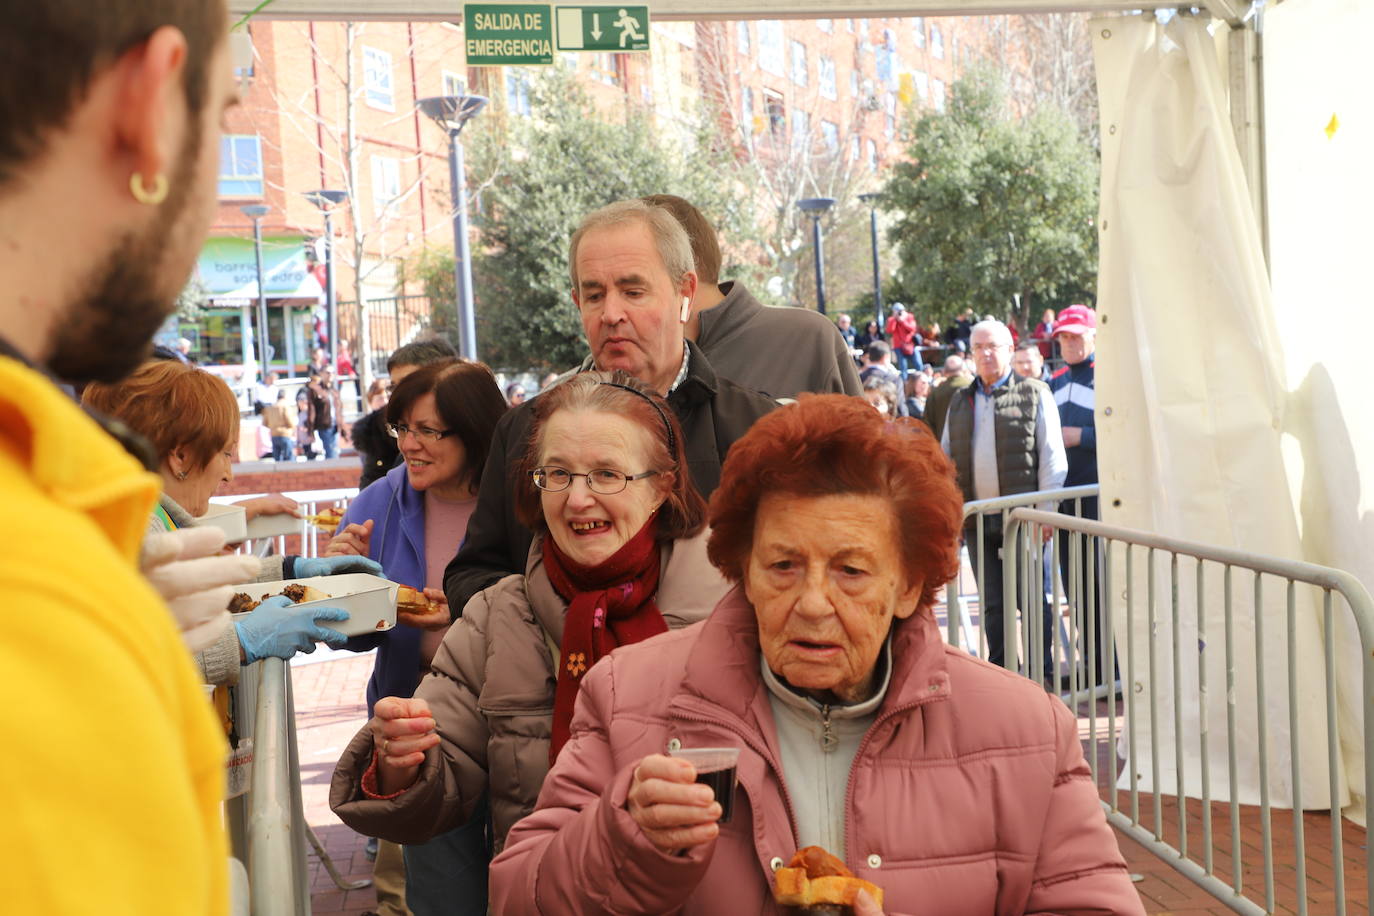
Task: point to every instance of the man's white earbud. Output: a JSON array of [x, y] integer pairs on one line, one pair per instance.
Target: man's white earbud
[[686, 308]]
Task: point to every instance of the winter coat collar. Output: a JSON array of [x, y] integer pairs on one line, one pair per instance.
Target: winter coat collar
[[727, 317]]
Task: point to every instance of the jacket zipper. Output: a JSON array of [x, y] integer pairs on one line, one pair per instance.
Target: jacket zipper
[[828, 740]]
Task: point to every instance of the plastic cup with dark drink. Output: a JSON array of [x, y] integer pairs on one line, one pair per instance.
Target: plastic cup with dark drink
[[715, 767]]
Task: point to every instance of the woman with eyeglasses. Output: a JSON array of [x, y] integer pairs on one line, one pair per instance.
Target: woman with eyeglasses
[[618, 557]]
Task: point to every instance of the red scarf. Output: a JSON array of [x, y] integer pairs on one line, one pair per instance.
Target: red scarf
[[609, 605]]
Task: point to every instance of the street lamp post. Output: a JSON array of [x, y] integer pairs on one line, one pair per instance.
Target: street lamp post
[[452, 112], [815, 207], [256, 212], [872, 200], [327, 200]]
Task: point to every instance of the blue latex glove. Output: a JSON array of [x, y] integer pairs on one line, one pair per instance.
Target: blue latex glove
[[307, 567], [277, 628]]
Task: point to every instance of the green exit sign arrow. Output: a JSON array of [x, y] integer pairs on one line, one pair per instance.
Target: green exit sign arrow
[[501, 34], [603, 28]]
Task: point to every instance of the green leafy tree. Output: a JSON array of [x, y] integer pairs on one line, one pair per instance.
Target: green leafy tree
[[534, 178], [989, 207]]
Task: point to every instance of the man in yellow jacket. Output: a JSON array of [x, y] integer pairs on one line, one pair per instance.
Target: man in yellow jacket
[[113, 764]]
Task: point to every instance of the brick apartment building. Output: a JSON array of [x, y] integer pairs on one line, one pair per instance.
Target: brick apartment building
[[329, 105]]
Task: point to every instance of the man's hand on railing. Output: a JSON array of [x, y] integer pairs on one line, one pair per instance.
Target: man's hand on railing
[[354, 540], [402, 730]]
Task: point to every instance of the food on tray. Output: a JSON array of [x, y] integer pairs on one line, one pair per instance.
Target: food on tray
[[414, 601], [242, 603], [328, 519], [819, 883]]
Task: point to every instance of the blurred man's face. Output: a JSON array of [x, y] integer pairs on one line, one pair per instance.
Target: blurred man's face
[[1075, 347], [1027, 363], [126, 297], [843, 322]]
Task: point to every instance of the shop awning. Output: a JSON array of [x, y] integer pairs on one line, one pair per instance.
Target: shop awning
[[229, 270]]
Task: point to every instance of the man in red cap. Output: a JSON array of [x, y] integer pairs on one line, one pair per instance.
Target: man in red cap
[[1075, 331]]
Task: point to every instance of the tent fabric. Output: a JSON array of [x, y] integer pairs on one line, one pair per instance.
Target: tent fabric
[[1190, 400]]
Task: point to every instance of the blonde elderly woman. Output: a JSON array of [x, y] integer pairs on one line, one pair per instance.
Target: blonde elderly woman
[[954, 786], [618, 556], [191, 419]]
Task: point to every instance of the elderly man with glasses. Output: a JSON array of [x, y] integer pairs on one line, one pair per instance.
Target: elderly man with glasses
[[1003, 433]]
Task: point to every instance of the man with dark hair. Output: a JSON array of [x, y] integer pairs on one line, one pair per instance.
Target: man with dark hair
[[779, 351], [633, 281], [955, 375], [326, 409], [109, 152]]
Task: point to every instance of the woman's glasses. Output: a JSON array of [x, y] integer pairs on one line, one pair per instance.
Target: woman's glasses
[[605, 481], [399, 430]]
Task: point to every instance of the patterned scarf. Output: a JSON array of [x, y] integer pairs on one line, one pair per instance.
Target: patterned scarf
[[609, 605]]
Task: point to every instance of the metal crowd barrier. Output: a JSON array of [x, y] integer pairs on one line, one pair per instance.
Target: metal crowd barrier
[[278, 881], [1164, 658], [960, 629]]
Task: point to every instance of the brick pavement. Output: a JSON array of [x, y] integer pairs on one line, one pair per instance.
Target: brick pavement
[[330, 709]]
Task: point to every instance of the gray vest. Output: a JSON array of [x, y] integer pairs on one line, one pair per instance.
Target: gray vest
[[1016, 407]]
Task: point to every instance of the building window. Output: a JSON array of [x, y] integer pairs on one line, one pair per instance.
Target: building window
[[604, 69], [454, 84], [777, 115], [243, 60], [922, 83], [854, 149], [826, 25], [742, 36], [854, 83], [799, 63], [801, 130], [825, 78], [937, 42], [386, 184], [517, 92], [890, 118], [937, 92], [746, 111], [770, 46], [872, 156], [918, 31], [377, 79], [954, 45], [863, 27], [849, 26], [240, 166], [830, 133]]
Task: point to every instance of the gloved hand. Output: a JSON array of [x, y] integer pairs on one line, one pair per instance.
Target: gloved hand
[[185, 568], [277, 628], [307, 567]]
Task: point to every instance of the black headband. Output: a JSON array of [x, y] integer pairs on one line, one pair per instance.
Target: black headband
[[672, 440]]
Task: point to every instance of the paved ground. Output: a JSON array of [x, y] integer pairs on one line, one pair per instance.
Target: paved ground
[[329, 708]]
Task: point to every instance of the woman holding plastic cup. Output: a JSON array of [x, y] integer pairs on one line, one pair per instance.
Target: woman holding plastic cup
[[954, 786], [619, 556]]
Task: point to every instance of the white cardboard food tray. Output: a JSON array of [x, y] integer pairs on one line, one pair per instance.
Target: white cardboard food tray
[[232, 520], [269, 526], [370, 600]]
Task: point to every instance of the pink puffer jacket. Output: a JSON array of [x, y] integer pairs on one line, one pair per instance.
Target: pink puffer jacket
[[968, 795]]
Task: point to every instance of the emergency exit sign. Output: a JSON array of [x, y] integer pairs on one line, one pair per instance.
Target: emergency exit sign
[[501, 34], [603, 28]]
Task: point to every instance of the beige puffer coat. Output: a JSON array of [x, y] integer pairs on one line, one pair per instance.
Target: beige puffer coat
[[491, 688]]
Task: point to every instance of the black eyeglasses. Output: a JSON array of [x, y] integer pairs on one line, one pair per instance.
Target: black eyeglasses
[[399, 430], [605, 481]]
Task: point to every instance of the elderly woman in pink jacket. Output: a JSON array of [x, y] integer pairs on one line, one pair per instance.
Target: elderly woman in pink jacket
[[954, 786]]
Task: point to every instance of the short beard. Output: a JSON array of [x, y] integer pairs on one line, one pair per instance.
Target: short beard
[[108, 330]]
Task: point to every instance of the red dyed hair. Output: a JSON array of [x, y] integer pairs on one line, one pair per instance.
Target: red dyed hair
[[833, 444], [172, 405]]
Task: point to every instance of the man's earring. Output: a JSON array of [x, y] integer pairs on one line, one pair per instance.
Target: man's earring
[[144, 195]]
